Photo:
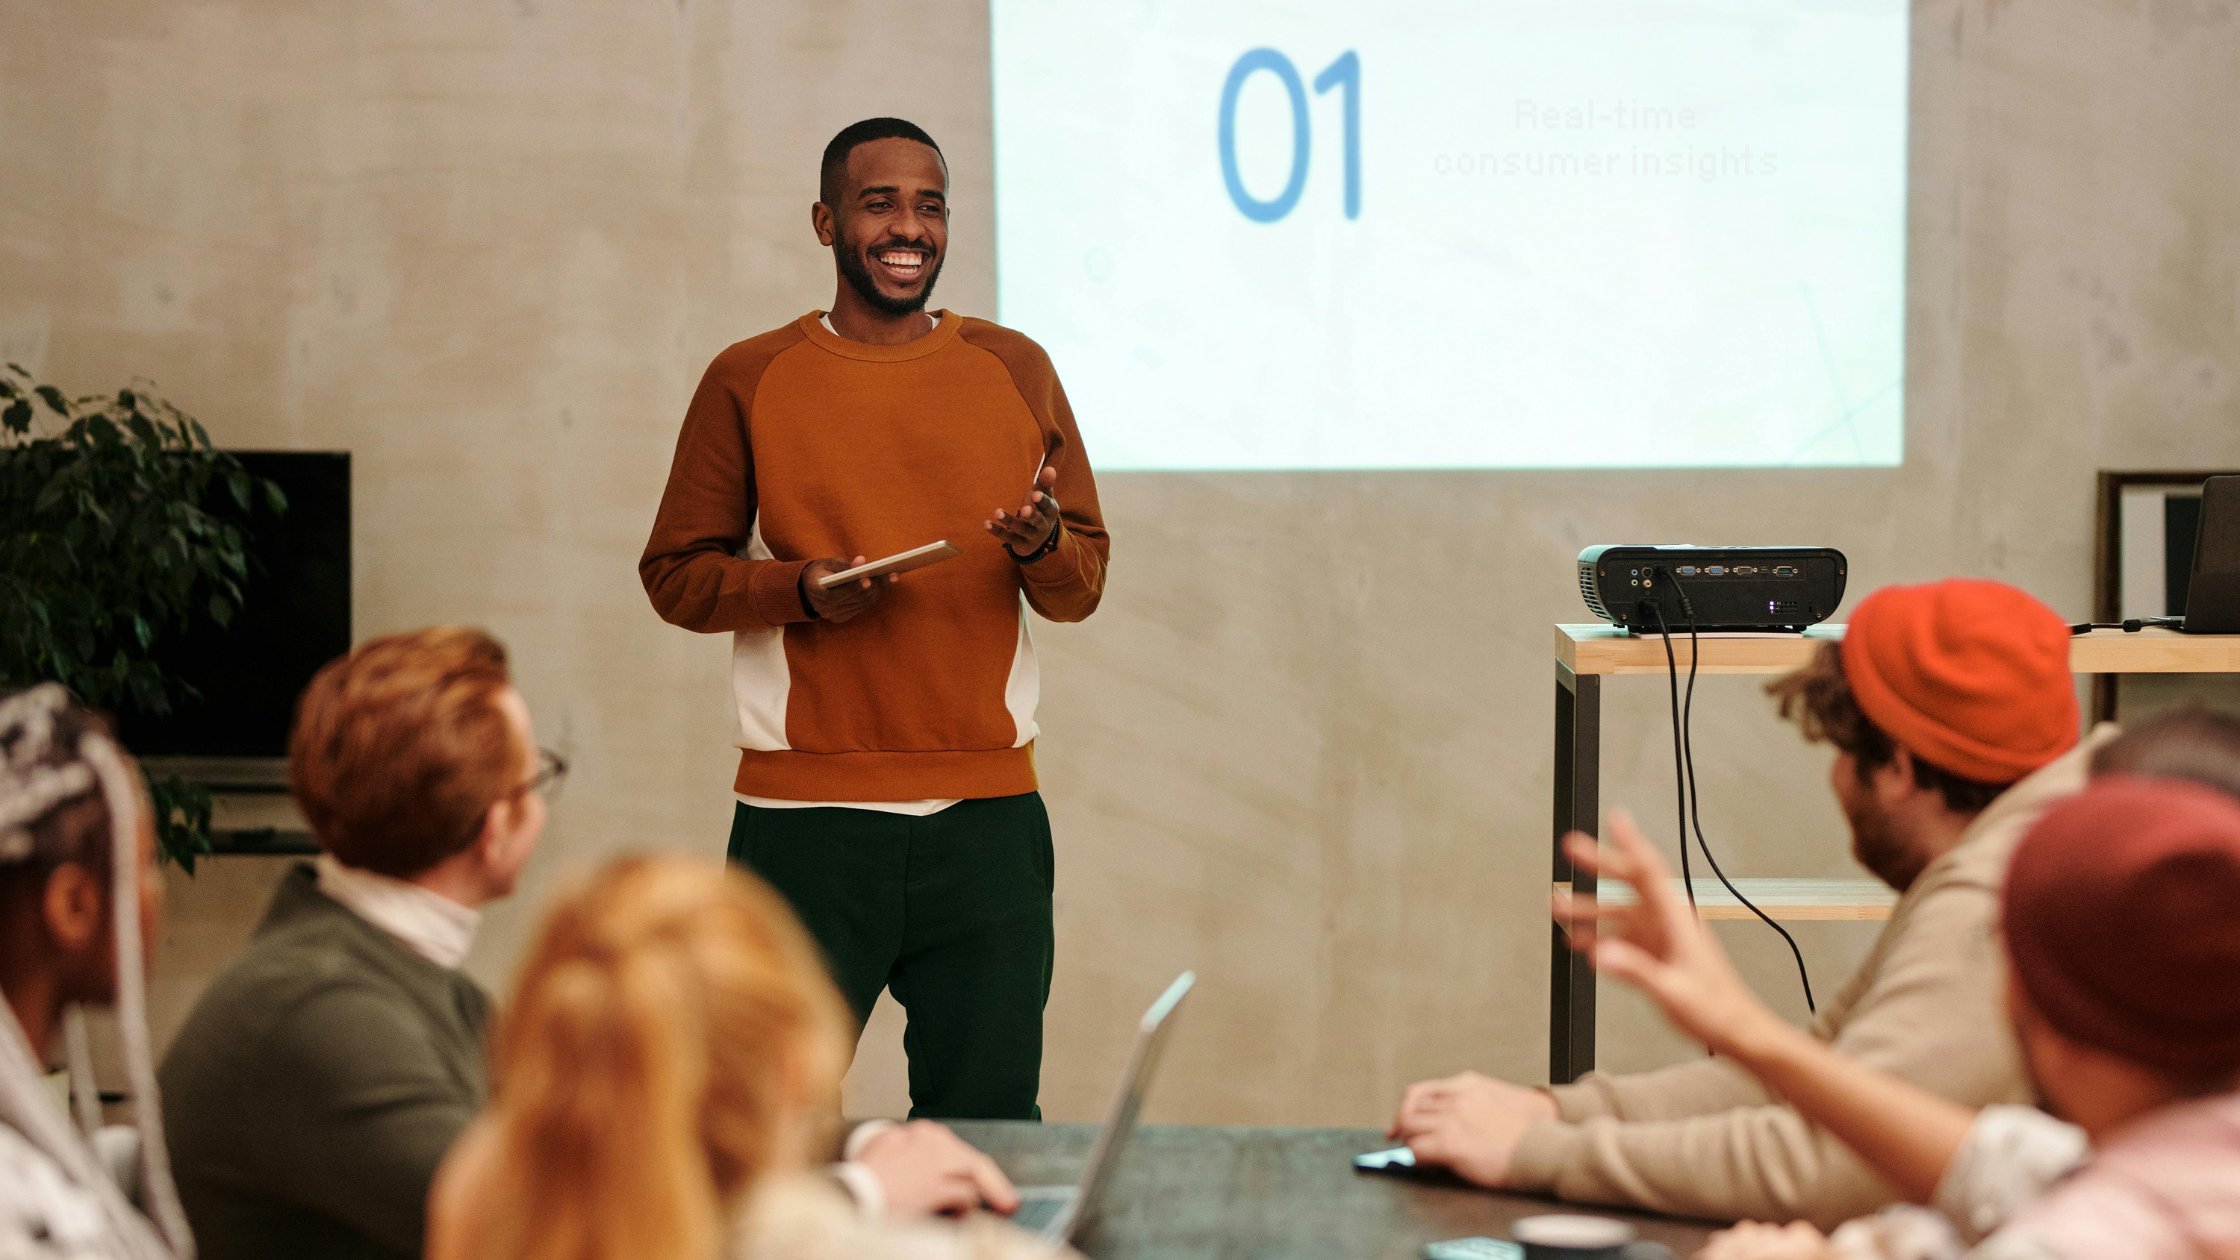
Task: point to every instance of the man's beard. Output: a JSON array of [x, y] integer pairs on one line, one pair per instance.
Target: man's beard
[[858, 275], [1879, 849]]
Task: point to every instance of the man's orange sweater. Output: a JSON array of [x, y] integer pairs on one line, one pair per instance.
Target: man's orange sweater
[[800, 445]]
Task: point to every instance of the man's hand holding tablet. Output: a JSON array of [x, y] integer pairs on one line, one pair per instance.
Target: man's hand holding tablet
[[847, 588], [844, 601]]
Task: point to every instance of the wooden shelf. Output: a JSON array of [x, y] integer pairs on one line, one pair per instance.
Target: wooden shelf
[[1600, 648], [1786, 900]]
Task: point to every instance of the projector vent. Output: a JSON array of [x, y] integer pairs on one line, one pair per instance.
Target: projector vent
[[1587, 592]]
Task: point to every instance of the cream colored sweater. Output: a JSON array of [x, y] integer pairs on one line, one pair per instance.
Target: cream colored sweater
[[1705, 1139]]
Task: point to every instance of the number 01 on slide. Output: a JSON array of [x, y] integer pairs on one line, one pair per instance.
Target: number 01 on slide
[[1459, 233]]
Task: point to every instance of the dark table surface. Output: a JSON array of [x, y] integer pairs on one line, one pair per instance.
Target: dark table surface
[[1209, 1191]]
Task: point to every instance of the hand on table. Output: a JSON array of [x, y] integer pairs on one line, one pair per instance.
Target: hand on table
[[1025, 531], [1470, 1124], [1657, 944], [926, 1170], [1753, 1241], [846, 601]]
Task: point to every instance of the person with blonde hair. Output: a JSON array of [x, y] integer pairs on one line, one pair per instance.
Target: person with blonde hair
[[666, 1075], [78, 902]]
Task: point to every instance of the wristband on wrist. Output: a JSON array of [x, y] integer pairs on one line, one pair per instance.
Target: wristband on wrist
[[1049, 545]]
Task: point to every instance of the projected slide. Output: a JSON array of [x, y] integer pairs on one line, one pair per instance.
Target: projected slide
[[1459, 233]]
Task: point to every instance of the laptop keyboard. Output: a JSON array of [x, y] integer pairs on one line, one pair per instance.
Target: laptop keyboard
[[1035, 1214]]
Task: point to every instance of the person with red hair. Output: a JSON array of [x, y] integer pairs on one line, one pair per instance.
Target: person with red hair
[[318, 1082], [322, 1077]]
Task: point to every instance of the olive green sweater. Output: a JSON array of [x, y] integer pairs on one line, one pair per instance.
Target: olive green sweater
[[317, 1085]]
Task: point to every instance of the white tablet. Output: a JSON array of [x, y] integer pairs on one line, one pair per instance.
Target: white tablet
[[900, 562]]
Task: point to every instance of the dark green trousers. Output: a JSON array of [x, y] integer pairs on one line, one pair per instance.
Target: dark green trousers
[[951, 912]]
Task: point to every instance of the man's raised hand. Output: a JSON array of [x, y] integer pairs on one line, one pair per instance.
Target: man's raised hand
[[1026, 530], [1657, 945]]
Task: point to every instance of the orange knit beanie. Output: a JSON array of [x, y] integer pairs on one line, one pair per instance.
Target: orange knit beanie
[[1970, 676]]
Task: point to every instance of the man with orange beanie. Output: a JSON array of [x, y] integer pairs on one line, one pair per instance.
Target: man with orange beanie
[[2139, 1047], [1954, 719]]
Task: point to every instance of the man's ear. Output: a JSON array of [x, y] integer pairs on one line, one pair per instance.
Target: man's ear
[[73, 906], [822, 221], [1899, 779], [497, 828]]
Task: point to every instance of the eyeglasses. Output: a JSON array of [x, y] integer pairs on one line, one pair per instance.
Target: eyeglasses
[[552, 772]]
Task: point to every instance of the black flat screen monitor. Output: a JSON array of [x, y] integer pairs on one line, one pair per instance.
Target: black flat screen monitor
[[2212, 603], [295, 617]]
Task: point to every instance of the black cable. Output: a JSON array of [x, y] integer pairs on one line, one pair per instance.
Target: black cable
[[1680, 780], [2129, 625], [1692, 800]]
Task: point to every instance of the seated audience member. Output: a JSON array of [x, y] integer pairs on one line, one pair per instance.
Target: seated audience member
[[316, 1086], [1954, 718], [665, 1068], [79, 900], [2188, 742], [2123, 991], [318, 1082]]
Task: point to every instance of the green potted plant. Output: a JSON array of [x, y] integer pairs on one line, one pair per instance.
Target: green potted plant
[[121, 525]]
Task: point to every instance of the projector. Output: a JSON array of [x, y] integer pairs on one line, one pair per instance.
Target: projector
[[1669, 588]]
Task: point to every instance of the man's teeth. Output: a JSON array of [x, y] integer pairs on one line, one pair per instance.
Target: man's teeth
[[903, 260]]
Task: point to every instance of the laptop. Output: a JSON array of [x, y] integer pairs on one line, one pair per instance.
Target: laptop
[[2213, 591], [1062, 1214]]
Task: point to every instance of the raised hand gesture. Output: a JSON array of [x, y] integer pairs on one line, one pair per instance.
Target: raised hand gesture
[[1025, 531], [1657, 945]]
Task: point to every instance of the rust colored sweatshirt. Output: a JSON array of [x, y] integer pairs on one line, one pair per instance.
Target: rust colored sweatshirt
[[801, 445]]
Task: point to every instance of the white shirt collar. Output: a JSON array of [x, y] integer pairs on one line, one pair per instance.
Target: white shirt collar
[[826, 320], [427, 923]]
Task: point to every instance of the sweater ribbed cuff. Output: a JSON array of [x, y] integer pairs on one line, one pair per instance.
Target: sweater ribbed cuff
[[863, 1186], [1545, 1150], [1057, 564], [774, 592], [1583, 1099]]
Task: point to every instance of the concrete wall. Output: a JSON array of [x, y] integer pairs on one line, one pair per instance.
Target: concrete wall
[[1304, 747]]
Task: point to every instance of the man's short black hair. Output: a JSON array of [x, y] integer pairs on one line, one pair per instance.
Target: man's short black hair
[[836, 153]]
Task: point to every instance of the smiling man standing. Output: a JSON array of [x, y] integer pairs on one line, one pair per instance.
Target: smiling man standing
[[886, 777]]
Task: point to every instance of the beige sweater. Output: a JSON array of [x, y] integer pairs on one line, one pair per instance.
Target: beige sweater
[[1705, 1139]]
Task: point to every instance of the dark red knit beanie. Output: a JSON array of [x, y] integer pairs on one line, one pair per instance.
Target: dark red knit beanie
[[2122, 922], [1970, 676]]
